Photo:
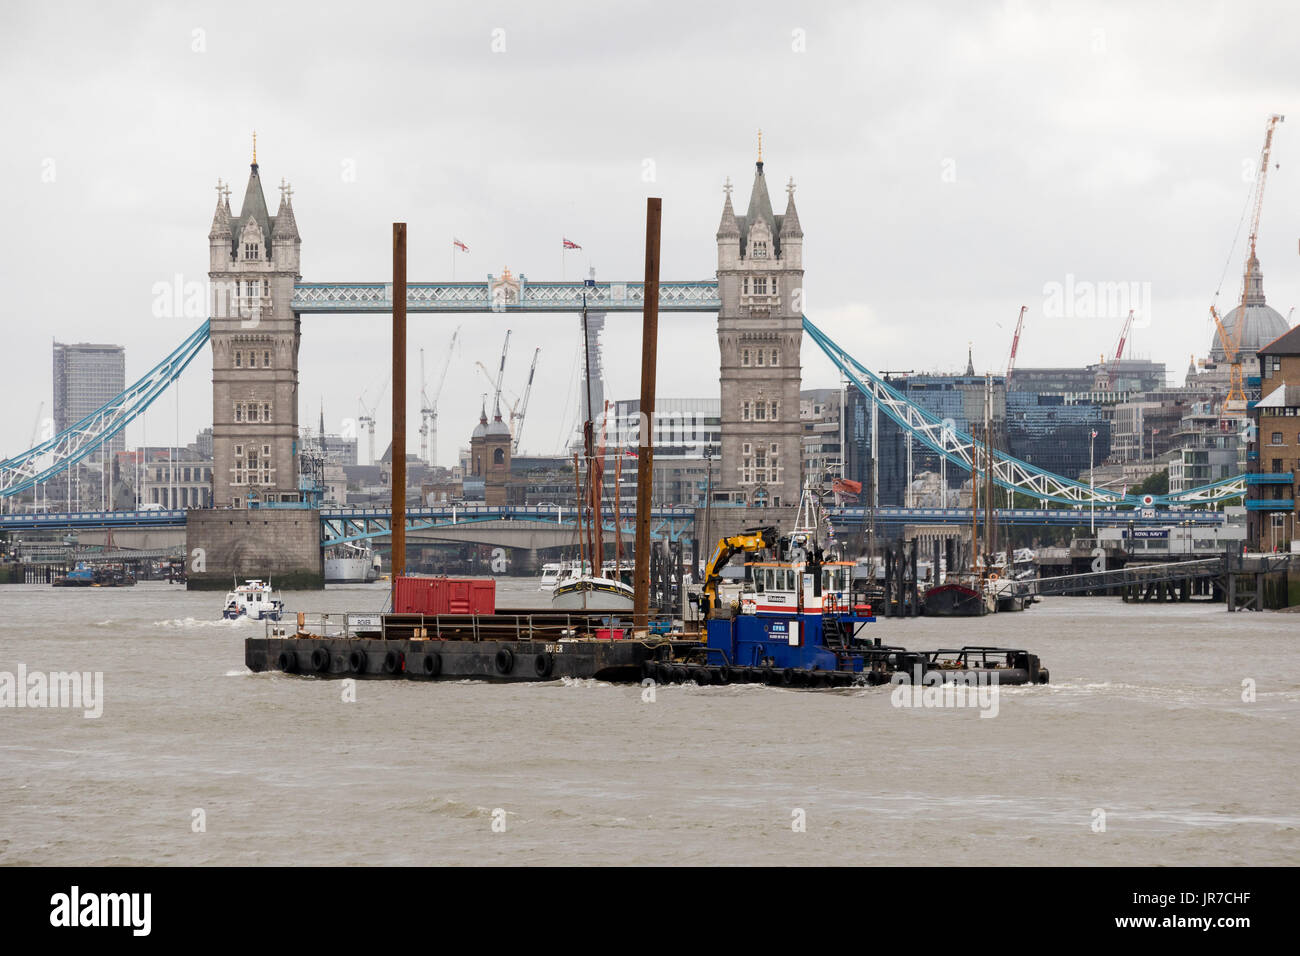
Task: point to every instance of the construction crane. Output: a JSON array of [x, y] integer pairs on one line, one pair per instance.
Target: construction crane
[[517, 418], [35, 425], [1111, 371], [519, 407], [1260, 180], [1235, 403], [1015, 344], [501, 375], [366, 419], [429, 405]]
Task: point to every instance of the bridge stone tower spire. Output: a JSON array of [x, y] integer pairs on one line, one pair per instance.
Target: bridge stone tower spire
[[253, 266], [760, 329]]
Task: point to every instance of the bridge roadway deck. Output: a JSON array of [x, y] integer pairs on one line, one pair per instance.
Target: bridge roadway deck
[[845, 520]]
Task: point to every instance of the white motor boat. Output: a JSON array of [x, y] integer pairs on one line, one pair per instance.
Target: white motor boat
[[551, 574], [254, 600], [557, 573]]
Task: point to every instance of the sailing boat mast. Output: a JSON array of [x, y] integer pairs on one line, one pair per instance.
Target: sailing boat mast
[[618, 527], [974, 507], [988, 471], [577, 483], [587, 442]]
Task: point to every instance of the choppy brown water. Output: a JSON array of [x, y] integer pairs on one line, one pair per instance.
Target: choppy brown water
[[1144, 719]]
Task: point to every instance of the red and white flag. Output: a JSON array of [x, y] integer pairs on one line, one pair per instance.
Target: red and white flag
[[460, 245], [1094, 433], [630, 453], [570, 244]]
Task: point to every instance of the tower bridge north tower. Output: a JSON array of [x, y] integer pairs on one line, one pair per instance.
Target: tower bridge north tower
[[760, 329]]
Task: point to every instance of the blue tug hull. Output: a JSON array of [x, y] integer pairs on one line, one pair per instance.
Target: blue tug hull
[[788, 641]]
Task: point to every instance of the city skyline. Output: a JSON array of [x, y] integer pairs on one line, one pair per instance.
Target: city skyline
[[916, 206]]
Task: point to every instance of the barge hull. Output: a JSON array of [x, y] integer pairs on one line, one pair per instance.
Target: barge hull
[[621, 661]]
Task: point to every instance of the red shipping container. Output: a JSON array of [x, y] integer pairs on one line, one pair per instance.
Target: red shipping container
[[610, 633], [442, 595]]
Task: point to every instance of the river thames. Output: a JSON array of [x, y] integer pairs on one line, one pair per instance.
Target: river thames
[[1142, 751]]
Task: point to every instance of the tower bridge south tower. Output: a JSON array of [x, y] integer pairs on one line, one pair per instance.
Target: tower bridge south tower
[[254, 261]]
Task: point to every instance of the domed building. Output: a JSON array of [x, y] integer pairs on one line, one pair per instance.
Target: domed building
[[1251, 326], [489, 449]]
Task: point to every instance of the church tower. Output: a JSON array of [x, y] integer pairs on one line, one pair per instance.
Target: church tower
[[253, 266], [760, 329], [489, 452]]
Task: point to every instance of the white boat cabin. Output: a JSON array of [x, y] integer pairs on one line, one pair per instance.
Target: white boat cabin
[[774, 587]]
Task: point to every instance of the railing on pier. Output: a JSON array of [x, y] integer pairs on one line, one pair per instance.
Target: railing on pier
[[1133, 575]]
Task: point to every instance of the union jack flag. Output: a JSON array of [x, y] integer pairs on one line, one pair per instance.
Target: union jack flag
[[570, 244], [460, 245]]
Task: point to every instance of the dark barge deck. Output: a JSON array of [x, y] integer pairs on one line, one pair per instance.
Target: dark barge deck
[[522, 646]]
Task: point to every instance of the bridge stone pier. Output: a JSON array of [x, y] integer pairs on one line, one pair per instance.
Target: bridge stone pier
[[282, 545]]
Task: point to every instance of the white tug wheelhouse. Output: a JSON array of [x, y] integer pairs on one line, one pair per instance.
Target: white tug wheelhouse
[[799, 582]]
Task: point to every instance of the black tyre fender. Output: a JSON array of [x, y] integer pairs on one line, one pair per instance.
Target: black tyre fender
[[1043, 675], [392, 662], [788, 677], [726, 674], [431, 664], [681, 675], [505, 661], [357, 661], [320, 660], [702, 676], [542, 664], [287, 661]]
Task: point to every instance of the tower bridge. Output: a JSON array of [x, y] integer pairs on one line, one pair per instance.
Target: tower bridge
[[501, 294], [255, 329]]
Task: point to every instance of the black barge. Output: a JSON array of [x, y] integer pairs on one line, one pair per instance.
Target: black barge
[[524, 646]]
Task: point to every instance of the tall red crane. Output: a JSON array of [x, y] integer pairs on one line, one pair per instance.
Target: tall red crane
[[1111, 370], [1015, 344]]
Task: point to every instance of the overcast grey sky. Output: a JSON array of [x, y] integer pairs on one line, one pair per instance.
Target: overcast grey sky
[[951, 160]]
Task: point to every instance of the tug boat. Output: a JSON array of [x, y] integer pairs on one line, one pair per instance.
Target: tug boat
[[253, 600], [82, 576], [798, 620]]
